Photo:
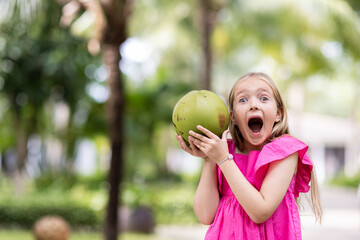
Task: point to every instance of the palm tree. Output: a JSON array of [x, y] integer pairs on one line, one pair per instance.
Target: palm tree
[[209, 10], [111, 20], [25, 8]]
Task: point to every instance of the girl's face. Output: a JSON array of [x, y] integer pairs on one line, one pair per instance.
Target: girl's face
[[254, 112]]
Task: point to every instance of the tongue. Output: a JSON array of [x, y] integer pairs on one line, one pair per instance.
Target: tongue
[[255, 127]]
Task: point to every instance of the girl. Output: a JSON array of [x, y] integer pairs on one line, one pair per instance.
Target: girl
[[249, 184]]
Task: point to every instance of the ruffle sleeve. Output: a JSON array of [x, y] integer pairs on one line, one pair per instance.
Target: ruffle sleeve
[[279, 149]]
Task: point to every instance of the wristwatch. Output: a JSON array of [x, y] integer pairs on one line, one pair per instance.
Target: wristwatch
[[230, 157]]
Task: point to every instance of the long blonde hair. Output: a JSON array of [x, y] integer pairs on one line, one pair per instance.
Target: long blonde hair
[[280, 128]]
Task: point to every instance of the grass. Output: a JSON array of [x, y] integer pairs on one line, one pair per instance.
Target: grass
[[27, 235]]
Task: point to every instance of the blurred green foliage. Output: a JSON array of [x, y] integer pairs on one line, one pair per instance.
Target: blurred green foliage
[[24, 213], [346, 181], [81, 201], [43, 65], [171, 202], [64, 181], [76, 235], [58, 196]]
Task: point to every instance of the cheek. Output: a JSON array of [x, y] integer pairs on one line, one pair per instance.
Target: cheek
[[273, 117], [277, 114], [240, 120], [237, 114]]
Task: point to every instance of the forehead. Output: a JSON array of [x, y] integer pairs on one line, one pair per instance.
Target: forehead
[[253, 84]]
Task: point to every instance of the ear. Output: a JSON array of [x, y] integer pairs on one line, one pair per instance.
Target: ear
[[232, 117], [278, 115]]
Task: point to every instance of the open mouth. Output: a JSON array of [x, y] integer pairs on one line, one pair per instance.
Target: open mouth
[[255, 124]]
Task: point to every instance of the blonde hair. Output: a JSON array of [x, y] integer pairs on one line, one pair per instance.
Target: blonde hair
[[280, 128]]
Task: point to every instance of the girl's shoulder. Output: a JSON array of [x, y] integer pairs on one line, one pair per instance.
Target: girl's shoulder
[[287, 138], [287, 143], [281, 148]]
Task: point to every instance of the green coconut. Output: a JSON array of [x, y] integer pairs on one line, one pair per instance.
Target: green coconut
[[203, 108]]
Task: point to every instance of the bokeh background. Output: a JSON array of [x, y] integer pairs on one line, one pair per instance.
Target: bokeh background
[[87, 90]]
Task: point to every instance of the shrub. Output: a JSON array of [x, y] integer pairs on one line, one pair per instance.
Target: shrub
[[171, 202], [24, 214], [346, 181], [57, 180]]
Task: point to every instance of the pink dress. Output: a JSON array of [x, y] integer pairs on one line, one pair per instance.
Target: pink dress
[[232, 222]]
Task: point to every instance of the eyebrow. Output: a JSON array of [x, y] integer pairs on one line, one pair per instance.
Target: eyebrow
[[258, 90], [263, 90]]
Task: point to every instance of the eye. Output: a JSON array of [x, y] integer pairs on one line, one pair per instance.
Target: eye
[[264, 99], [242, 100]]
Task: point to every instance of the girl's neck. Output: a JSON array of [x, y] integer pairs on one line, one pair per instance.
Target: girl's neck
[[249, 147]]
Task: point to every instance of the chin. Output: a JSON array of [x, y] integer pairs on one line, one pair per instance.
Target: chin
[[258, 143]]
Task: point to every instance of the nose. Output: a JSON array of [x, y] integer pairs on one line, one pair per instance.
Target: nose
[[253, 104]]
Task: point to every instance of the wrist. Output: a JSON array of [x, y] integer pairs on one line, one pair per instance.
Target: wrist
[[208, 160], [209, 163], [229, 157]]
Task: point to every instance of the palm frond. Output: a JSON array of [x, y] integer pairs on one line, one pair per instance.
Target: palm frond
[[26, 9]]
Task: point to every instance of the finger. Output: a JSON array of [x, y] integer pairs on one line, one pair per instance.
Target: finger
[[207, 132], [199, 146], [196, 149], [192, 146], [180, 139], [199, 136], [194, 143], [182, 143], [224, 135]]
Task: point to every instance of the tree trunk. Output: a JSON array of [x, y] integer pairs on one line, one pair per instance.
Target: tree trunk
[[112, 34], [21, 144], [111, 31], [208, 19], [21, 137], [21, 155], [115, 109]]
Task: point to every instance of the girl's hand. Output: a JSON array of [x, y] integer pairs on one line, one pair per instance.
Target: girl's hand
[[212, 146], [192, 149]]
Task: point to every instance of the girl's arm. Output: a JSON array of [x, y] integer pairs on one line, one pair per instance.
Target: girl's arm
[[259, 205], [207, 197], [206, 200]]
